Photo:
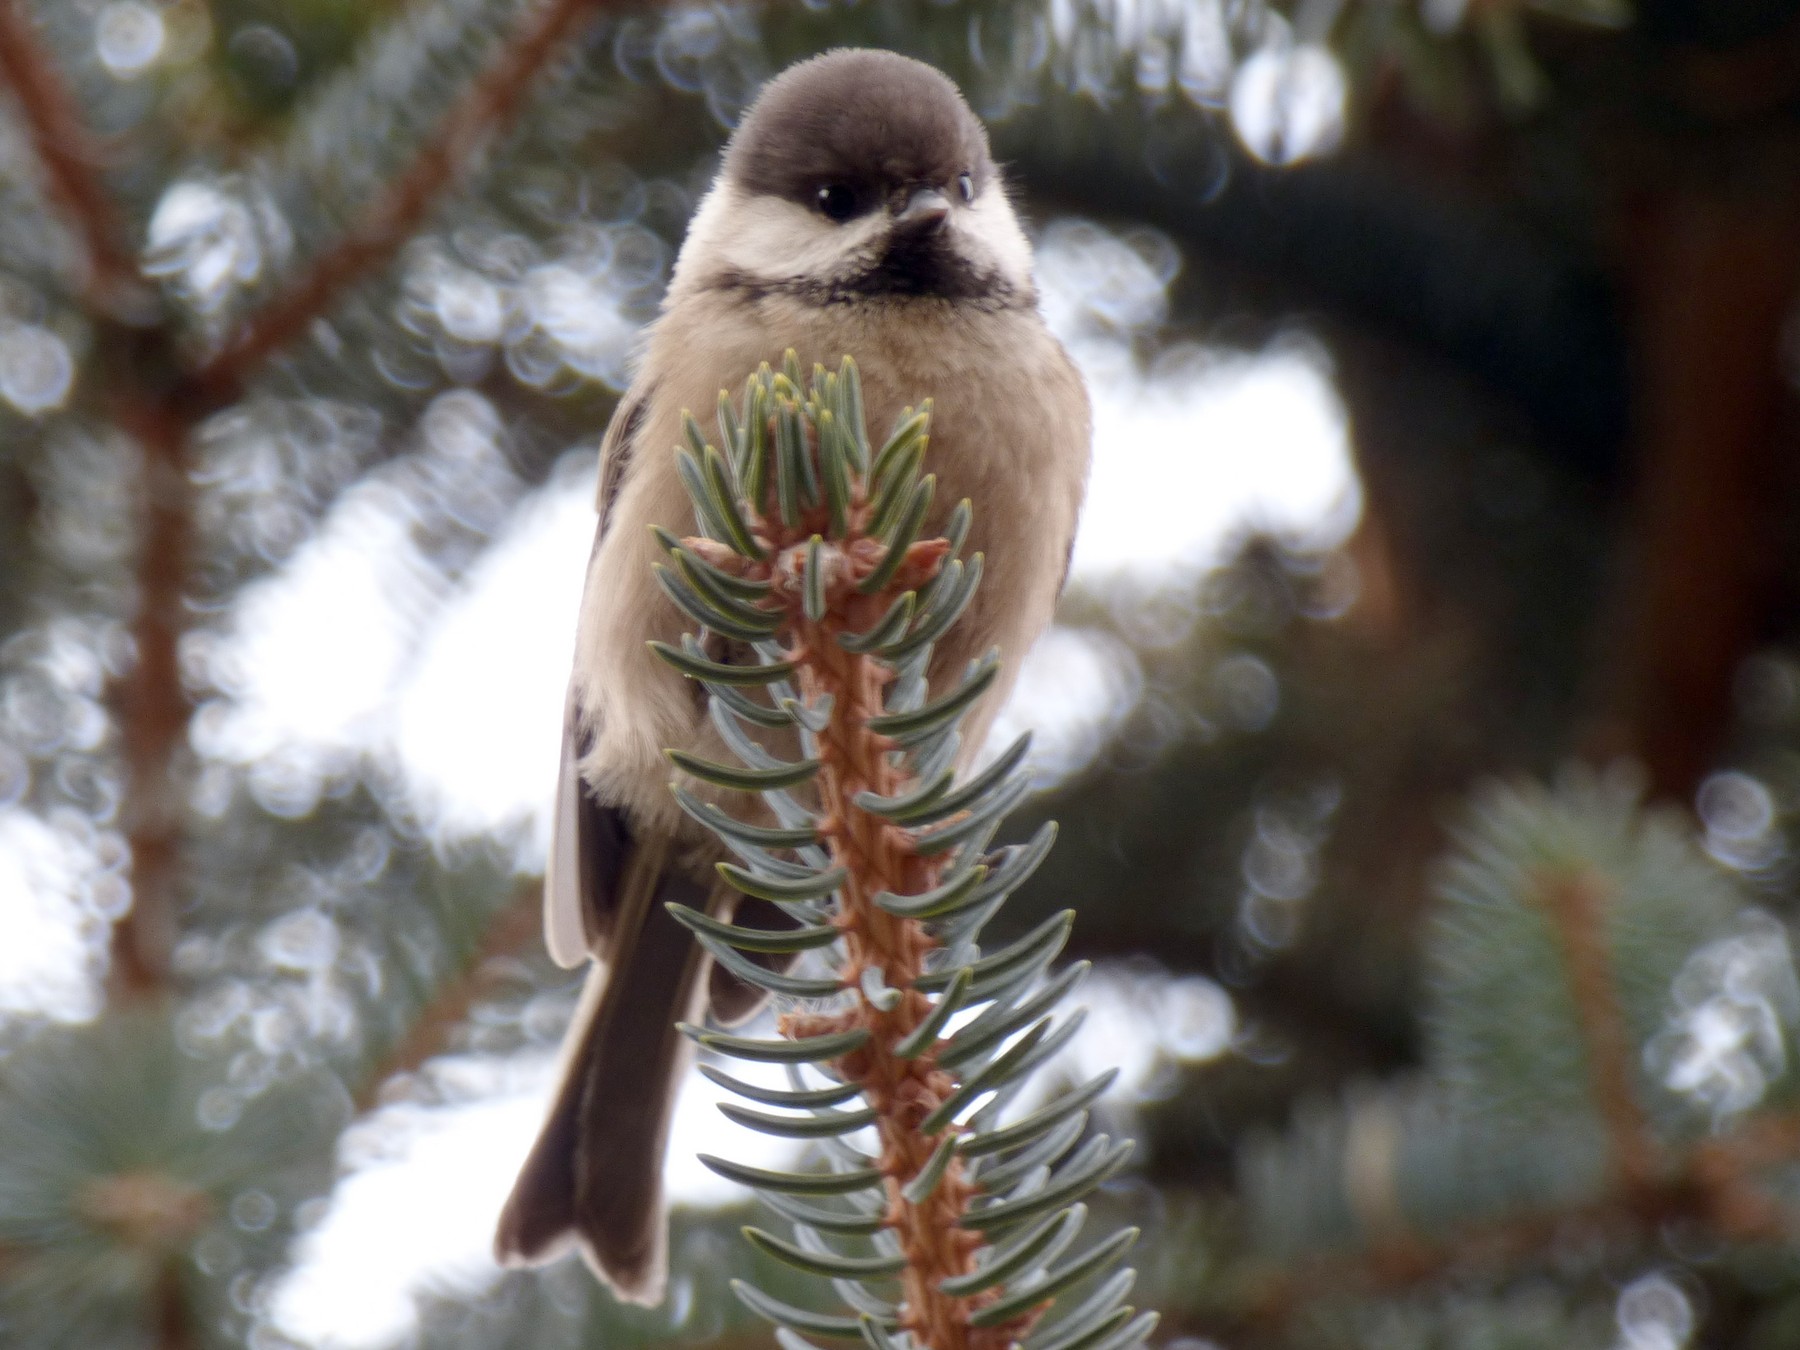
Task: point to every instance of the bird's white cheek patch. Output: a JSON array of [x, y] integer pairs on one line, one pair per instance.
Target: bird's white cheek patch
[[770, 239], [992, 237]]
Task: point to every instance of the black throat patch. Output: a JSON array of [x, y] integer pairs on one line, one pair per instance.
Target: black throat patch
[[914, 263], [909, 267]]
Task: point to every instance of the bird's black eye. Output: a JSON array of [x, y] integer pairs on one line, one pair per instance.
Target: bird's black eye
[[837, 201], [965, 184]]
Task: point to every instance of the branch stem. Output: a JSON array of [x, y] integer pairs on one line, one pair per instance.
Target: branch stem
[[1577, 906], [902, 1092], [153, 708], [877, 855]]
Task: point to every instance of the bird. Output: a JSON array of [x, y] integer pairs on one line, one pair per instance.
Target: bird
[[857, 209]]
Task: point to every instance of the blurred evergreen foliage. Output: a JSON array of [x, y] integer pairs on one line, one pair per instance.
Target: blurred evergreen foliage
[[1512, 1065]]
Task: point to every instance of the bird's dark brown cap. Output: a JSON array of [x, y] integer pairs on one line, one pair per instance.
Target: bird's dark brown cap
[[870, 119]]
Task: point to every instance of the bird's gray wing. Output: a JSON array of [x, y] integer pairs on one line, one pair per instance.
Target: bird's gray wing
[[589, 841]]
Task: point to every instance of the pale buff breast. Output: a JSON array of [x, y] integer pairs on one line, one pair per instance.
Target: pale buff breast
[[1016, 445]]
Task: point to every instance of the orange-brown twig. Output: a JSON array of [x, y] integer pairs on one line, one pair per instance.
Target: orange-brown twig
[[878, 856], [902, 1092]]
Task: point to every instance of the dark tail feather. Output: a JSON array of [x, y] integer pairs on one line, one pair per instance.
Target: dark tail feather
[[595, 1173]]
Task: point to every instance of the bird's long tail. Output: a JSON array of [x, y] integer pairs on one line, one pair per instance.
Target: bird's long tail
[[594, 1176]]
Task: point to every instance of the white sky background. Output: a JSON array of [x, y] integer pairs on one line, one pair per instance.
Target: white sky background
[[356, 653]]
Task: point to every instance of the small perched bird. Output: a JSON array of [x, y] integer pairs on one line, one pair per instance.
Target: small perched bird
[[857, 210]]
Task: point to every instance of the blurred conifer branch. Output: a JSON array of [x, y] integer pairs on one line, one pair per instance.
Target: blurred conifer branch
[[159, 401], [1726, 1187], [814, 556], [1577, 903], [106, 1207], [484, 111], [512, 929], [153, 710], [1579, 945], [70, 158]]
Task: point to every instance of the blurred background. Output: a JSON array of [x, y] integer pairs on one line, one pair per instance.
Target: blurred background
[[1423, 716]]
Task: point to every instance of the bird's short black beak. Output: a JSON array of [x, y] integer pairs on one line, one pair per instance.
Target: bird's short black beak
[[923, 212]]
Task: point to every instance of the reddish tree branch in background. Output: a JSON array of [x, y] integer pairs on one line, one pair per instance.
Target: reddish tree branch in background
[[486, 109], [153, 708], [1716, 270], [160, 411], [70, 158]]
